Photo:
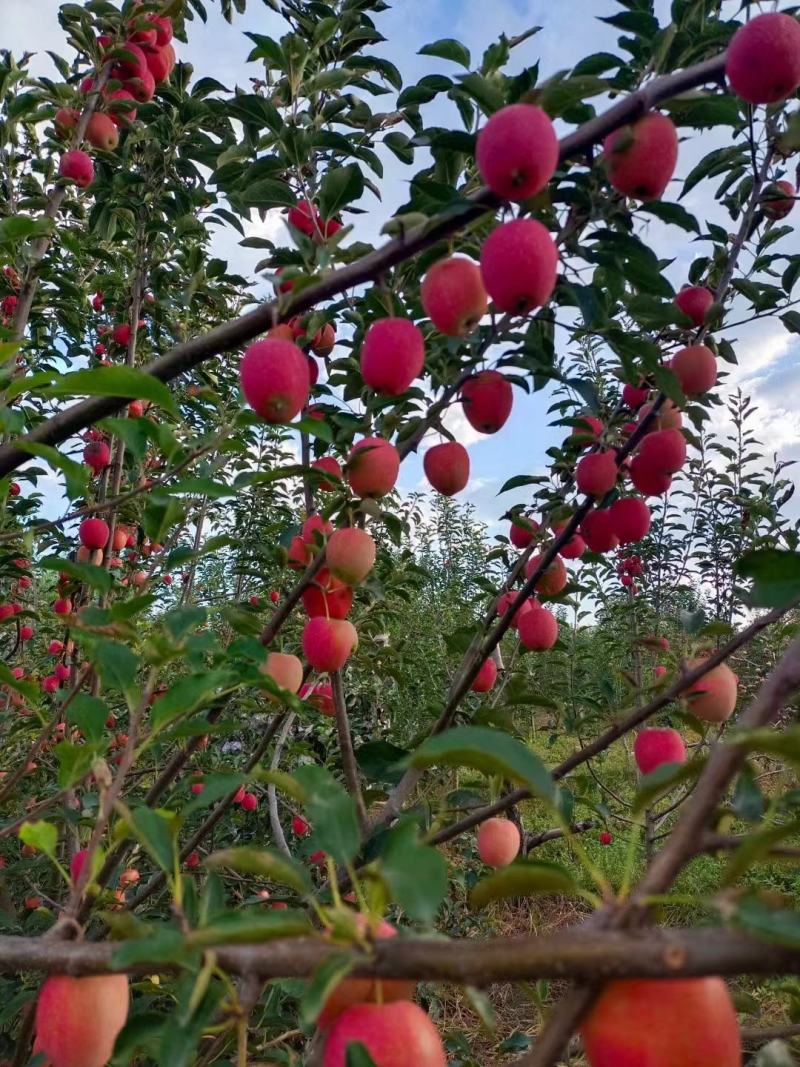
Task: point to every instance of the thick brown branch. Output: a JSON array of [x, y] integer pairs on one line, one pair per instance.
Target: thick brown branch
[[577, 953]]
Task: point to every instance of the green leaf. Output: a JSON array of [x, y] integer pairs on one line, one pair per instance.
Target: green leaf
[[486, 93], [447, 48], [523, 878], [775, 574], [332, 813], [267, 193], [264, 864], [324, 981], [378, 761], [340, 186], [215, 786], [414, 873], [358, 1055], [134, 432], [117, 665], [674, 214], [42, 835], [662, 781], [124, 382], [333, 78], [481, 1004], [791, 320], [87, 573], [519, 480], [560, 93], [18, 228], [704, 109], [489, 751], [655, 314], [155, 830], [29, 690], [249, 927], [162, 513], [89, 715], [188, 695], [161, 945], [76, 475], [74, 762], [315, 428], [780, 925], [755, 847]]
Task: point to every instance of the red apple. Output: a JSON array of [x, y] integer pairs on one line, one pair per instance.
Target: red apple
[[486, 677], [763, 59], [630, 519], [487, 398], [695, 301], [596, 473], [284, 669], [327, 643], [654, 746], [372, 467], [498, 841], [398, 1034], [274, 377], [695, 368], [713, 697], [350, 554], [554, 578], [670, 1022], [446, 467], [94, 533], [392, 355], [640, 158], [538, 629], [78, 1019], [77, 166], [519, 262], [517, 151], [453, 296]]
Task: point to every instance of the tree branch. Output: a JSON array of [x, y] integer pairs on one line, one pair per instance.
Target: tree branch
[[577, 953], [349, 765], [237, 332]]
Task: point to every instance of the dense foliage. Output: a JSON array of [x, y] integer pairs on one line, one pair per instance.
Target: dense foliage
[[257, 702]]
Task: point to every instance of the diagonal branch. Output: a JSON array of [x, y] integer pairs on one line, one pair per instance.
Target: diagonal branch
[[232, 335]]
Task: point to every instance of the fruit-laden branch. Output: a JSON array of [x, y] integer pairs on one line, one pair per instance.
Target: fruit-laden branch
[[52, 207], [237, 332], [613, 733], [722, 766], [576, 953], [478, 651], [292, 598], [114, 502], [214, 816]]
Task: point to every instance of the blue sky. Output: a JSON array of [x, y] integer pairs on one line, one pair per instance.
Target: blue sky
[[571, 30]]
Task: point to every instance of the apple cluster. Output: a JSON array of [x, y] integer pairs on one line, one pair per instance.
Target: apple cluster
[[143, 60]]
